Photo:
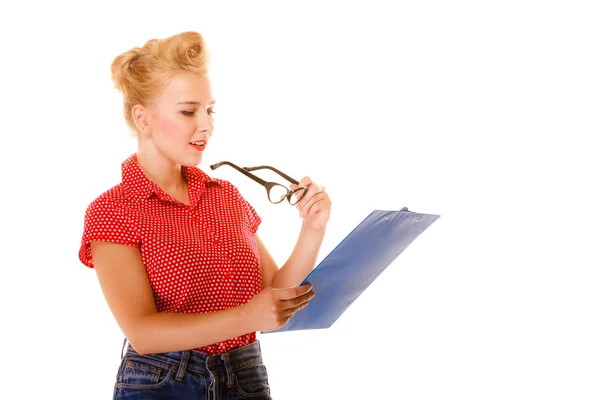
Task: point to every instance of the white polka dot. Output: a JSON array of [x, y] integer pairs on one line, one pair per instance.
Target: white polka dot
[[200, 258]]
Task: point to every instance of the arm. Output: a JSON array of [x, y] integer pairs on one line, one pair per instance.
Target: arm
[[314, 208], [299, 264], [127, 290]]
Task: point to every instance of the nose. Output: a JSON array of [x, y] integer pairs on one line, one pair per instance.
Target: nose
[[205, 123]]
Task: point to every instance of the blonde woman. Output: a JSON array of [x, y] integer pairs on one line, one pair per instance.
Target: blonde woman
[[176, 252]]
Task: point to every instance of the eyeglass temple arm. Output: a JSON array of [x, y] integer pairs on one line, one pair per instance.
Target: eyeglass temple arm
[[248, 174], [289, 178]]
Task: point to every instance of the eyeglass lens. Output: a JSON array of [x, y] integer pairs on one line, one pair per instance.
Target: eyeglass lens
[[297, 195], [277, 193]]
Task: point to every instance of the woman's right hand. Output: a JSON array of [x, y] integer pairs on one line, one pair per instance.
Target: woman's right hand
[[272, 308]]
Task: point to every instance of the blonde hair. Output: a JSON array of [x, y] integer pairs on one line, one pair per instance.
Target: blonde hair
[[141, 73]]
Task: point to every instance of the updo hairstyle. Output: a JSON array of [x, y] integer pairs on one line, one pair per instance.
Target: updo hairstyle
[[140, 74]]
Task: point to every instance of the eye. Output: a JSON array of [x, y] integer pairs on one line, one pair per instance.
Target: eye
[[188, 113], [211, 112]]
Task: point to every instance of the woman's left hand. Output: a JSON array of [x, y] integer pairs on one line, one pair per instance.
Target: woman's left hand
[[315, 206]]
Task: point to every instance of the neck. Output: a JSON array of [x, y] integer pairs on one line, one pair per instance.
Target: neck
[[160, 170]]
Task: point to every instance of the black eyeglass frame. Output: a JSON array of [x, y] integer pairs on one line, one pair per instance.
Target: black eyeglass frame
[[269, 185]]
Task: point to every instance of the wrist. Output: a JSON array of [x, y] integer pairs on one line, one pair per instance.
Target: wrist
[[307, 229], [244, 317]]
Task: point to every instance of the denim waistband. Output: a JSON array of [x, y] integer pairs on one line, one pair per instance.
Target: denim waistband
[[190, 360]]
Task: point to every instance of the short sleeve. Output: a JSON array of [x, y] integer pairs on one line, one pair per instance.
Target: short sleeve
[[253, 219], [250, 213], [105, 222]]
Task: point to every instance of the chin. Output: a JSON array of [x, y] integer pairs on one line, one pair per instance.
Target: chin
[[192, 161]]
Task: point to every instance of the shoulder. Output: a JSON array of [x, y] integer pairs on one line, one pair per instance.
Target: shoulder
[[241, 203], [106, 221], [109, 215], [226, 187], [111, 200]]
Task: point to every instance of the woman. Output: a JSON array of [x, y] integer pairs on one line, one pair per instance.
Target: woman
[[176, 252]]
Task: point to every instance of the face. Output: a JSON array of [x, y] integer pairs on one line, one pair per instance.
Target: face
[[181, 119]]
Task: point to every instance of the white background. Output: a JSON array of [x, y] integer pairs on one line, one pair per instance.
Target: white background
[[485, 113]]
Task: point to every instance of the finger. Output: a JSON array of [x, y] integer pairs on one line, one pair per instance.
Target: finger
[[311, 205], [292, 293], [294, 303], [288, 312], [306, 181], [285, 321], [310, 186], [320, 206], [319, 197], [313, 190]]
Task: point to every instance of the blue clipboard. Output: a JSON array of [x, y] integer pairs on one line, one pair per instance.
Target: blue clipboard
[[355, 263]]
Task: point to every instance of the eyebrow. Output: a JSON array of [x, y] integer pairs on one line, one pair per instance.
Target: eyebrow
[[195, 102]]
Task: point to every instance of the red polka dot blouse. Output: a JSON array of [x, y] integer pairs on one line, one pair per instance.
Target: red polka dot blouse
[[200, 258]]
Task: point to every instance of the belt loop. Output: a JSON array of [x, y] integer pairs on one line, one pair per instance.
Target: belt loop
[[185, 356], [225, 358], [123, 348], [211, 386]]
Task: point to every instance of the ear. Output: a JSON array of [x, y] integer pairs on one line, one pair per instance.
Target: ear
[[138, 115]]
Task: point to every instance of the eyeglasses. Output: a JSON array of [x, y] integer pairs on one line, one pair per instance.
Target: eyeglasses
[[275, 191]]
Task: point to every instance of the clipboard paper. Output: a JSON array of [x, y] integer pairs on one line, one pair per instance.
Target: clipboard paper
[[355, 263]]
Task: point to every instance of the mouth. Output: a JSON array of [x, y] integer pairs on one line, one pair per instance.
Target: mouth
[[199, 145]]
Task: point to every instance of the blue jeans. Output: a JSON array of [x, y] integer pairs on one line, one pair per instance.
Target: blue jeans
[[237, 374]]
